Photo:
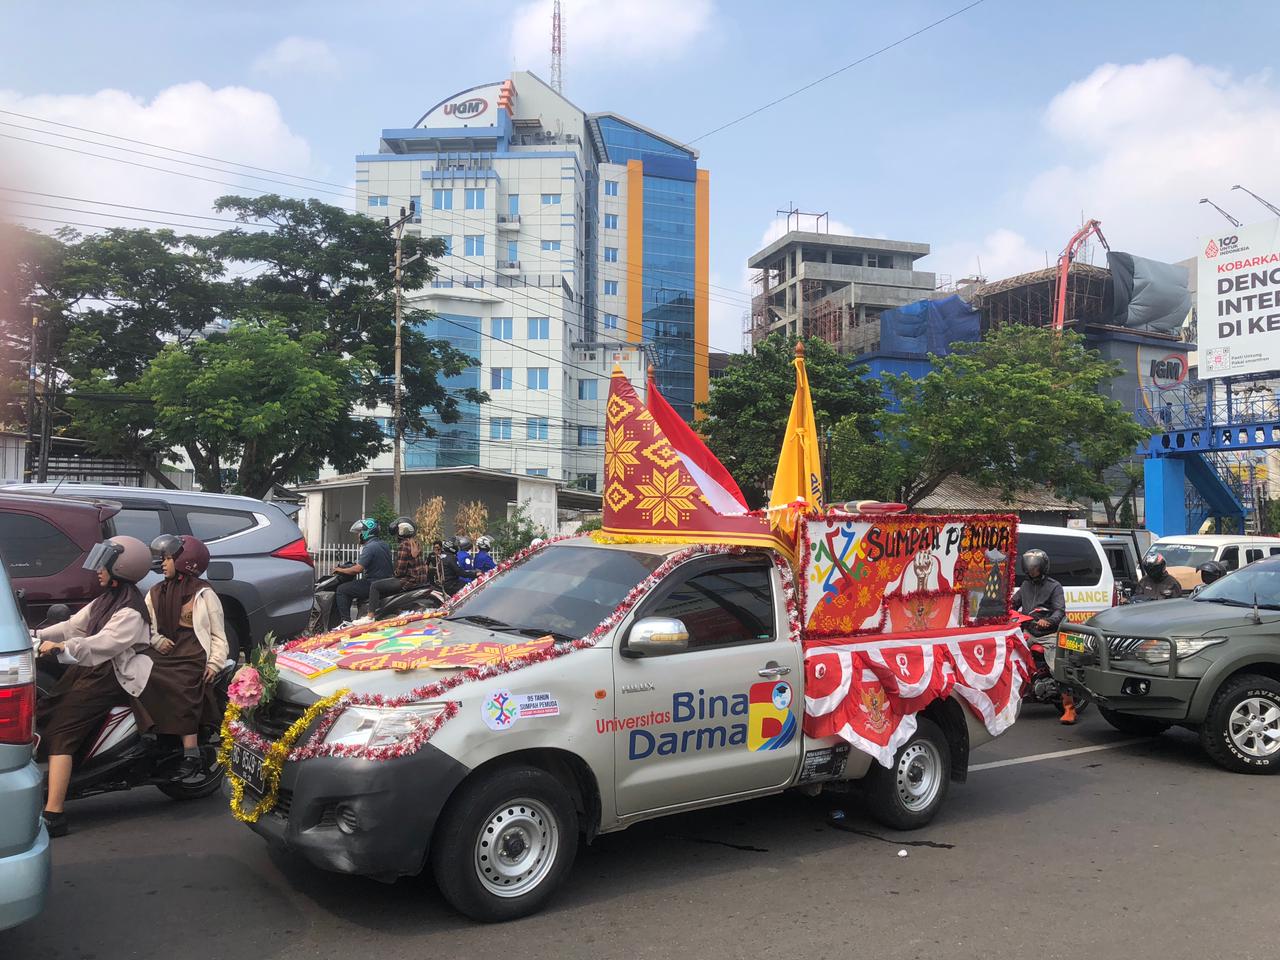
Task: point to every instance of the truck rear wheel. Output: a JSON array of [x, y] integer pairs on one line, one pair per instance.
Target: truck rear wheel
[[1241, 731], [909, 795], [505, 844]]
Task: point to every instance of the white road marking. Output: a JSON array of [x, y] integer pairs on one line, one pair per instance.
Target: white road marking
[[1035, 758]]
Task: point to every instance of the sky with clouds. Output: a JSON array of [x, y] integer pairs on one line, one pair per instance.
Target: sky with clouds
[[988, 137]]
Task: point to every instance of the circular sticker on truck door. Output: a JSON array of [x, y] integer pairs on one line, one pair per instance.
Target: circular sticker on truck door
[[501, 711]]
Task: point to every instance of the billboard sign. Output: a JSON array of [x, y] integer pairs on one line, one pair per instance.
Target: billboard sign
[[477, 107], [1238, 301]]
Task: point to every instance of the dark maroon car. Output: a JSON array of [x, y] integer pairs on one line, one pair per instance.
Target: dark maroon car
[[44, 541]]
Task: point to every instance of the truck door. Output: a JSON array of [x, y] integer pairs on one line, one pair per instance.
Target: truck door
[[723, 716]]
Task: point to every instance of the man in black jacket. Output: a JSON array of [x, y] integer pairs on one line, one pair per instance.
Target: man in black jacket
[[1040, 597], [1159, 583], [450, 572]]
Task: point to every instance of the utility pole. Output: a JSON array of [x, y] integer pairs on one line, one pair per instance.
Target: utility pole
[[31, 402], [398, 425]]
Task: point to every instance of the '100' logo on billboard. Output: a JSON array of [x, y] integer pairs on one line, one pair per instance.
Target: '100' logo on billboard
[[465, 109]]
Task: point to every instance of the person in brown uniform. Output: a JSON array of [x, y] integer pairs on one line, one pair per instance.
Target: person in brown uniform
[[105, 641], [188, 647]]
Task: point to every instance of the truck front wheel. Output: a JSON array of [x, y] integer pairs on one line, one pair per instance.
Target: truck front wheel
[[505, 843], [909, 795], [1241, 731]]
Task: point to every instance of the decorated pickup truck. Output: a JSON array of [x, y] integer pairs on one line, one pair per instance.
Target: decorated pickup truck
[[681, 658]]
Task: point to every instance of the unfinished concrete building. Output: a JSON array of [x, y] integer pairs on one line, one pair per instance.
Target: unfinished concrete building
[[834, 287]]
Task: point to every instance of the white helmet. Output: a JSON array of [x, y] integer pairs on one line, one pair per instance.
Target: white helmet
[[484, 543]]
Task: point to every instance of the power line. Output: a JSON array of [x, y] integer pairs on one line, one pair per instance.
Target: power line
[[128, 206], [834, 73]]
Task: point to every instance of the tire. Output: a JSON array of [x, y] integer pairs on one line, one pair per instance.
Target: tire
[[1235, 731], [1138, 726], [524, 807], [197, 790], [908, 796]]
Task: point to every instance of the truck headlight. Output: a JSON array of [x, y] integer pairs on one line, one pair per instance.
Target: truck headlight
[[1157, 651], [373, 727]]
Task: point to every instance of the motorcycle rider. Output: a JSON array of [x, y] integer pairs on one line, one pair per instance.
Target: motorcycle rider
[[105, 640], [1158, 584], [466, 560], [1041, 597], [411, 567], [450, 572], [1210, 571], [188, 648], [483, 557], [374, 562]]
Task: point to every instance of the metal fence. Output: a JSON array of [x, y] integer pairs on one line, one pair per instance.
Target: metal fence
[[329, 555]]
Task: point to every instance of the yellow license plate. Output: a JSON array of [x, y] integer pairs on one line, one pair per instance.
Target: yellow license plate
[[1071, 641]]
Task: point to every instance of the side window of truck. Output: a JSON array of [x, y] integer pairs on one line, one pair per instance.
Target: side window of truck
[[1252, 554], [721, 603], [1231, 558]]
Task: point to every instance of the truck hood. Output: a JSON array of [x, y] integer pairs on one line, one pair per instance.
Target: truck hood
[[1183, 618], [389, 683]]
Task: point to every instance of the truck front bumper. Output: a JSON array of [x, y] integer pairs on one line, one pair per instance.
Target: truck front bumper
[[1140, 694], [371, 817]]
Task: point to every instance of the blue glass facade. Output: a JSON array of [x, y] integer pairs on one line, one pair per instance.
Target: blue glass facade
[[668, 259], [455, 444]]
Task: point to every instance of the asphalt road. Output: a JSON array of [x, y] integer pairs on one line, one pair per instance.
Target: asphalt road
[[1141, 849]]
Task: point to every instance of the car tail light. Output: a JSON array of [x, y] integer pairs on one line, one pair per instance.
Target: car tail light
[[17, 698], [295, 551]]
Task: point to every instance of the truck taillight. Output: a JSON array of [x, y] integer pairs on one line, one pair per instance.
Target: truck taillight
[[295, 551], [17, 698]]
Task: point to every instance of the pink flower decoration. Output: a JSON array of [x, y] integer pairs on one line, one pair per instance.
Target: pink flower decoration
[[245, 690]]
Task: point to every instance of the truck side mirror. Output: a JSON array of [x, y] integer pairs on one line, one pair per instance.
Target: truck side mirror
[[656, 637]]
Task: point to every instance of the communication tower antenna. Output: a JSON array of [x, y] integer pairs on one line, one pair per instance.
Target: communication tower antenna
[[557, 49]]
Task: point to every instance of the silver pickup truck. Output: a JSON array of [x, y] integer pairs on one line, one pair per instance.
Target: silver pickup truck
[[695, 697]]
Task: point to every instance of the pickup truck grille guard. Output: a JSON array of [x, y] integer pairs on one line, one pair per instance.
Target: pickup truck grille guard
[[1118, 647]]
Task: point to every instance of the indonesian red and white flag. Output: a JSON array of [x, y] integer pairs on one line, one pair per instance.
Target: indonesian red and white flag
[[713, 480]]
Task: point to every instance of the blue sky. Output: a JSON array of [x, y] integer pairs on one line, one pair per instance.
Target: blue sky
[[987, 137]]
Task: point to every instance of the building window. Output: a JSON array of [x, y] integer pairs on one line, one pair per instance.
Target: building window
[[611, 321], [441, 199], [474, 245], [550, 198], [500, 378], [611, 188], [448, 245], [585, 481], [588, 389], [550, 244], [474, 198], [611, 221], [513, 251], [588, 436], [513, 204], [500, 428], [377, 201], [446, 283], [611, 288], [610, 254], [538, 378], [536, 472], [539, 328], [537, 428], [500, 328]]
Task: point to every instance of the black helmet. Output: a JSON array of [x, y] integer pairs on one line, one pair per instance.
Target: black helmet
[[404, 528], [1154, 565], [1035, 563], [1212, 570], [450, 545], [464, 544]]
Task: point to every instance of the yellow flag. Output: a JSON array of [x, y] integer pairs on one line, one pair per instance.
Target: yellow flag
[[799, 476]]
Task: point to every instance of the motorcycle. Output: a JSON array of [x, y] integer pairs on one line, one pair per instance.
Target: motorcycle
[[121, 757], [1041, 687], [324, 612]]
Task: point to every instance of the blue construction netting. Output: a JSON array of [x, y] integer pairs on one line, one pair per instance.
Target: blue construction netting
[[928, 326]]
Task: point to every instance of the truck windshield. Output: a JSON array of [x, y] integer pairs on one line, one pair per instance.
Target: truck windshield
[[1182, 554], [562, 590], [1259, 581]]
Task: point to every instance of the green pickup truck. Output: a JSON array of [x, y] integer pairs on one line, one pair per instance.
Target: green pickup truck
[[1209, 663]]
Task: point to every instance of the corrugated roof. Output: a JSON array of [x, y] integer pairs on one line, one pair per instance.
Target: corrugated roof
[[961, 495]]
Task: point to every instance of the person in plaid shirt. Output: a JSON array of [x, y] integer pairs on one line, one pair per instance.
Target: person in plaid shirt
[[411, 566]]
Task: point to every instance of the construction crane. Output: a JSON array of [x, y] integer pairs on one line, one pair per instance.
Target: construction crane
[[1092, 228]]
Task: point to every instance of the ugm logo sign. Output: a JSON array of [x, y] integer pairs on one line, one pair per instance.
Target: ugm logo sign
[[466, 109]]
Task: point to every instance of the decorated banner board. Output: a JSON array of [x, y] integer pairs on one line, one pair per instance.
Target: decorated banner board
[[1238, 301]]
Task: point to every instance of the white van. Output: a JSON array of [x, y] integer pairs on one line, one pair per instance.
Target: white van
[[1184, 554], [1077, 561]]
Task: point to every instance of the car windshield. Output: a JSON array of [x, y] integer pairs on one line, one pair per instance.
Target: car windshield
[[1182, 554], [1259, 581], [563, 590]]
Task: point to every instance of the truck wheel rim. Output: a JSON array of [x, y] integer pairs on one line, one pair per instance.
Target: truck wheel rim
[[919, 775], [516, 848], [1254, 726]]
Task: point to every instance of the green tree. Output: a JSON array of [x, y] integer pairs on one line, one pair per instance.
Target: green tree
[[515, 532], [1021, 408], [746, 413], [384, 512]]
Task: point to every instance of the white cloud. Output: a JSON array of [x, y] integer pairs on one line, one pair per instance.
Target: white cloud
[[297, 55], [605, 32], [778, 226], [1001, 253], [234, 123], [1146, 141]]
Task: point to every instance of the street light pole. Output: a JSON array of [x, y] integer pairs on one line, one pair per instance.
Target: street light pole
[[31, 403]]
